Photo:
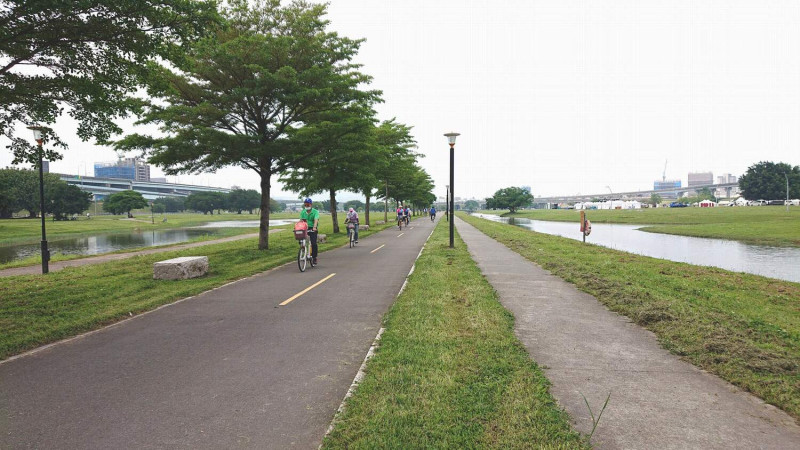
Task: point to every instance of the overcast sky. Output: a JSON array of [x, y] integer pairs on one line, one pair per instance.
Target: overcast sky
[[569, 96]]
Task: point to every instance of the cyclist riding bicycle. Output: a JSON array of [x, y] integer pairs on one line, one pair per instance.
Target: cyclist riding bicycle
[[407, 214], [352, 217], [400, 214], [311, 216], [433, 212]]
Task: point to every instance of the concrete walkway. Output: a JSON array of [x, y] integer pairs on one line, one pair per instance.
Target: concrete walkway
[[657, 400], [58, 265]]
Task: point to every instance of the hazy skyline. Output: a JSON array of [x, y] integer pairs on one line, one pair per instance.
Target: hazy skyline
[[568, 96]]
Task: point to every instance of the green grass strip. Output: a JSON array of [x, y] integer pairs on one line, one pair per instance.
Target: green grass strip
[[449, 372], [40, 309], [743, 328], [763, 225]]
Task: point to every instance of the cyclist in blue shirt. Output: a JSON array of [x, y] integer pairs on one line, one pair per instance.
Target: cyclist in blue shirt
[[433, 212]]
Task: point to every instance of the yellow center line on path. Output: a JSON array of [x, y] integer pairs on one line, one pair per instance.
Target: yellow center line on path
[[400, 234], [286, 302], [384, 245]]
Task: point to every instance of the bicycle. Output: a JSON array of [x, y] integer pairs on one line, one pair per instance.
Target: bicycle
[[351, 233], [408, 220], [433, 216], [304, 252], [400, 222]]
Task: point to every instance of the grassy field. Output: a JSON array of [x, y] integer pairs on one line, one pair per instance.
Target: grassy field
[[743, 328], [449, 372], [39, 309], [763, 225]]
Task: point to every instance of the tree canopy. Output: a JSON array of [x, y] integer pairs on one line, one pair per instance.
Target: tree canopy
[[63, 200], [87, 57], [206, 202], [251, 94], [243, 200], [511, 198], [124, 202], [19, 190], [767, 181]]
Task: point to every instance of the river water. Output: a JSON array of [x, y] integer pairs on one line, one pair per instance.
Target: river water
[[775, 262], [112, 242]]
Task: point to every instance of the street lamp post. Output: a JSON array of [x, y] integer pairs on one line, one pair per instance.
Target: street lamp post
[[38, 134], [451, 139]]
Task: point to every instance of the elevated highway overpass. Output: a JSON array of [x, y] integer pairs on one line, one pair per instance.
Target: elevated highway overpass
[[633, 195], [149, 189]]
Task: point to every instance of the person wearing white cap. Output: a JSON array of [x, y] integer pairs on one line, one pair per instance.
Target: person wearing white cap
[[352, 217]]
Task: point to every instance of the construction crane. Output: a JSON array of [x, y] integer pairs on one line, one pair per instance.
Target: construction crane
[[664, 174]]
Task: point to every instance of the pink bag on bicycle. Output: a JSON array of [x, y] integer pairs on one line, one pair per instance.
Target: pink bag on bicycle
[[300, 230]]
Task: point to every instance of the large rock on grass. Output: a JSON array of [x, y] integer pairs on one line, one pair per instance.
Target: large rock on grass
[[181, 268]]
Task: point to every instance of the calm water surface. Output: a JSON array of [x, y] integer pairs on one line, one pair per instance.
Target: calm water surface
[[103, 243], [774, 262], [106, 243]]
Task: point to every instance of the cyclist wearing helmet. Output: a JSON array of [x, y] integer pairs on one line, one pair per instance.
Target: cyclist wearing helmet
[[311, 216]]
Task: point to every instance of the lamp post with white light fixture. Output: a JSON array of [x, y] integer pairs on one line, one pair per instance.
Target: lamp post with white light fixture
[[38, 134], [451, 139]]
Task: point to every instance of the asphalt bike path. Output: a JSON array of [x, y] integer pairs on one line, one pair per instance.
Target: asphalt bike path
[[657, 400], [54, 266], [227, 368]]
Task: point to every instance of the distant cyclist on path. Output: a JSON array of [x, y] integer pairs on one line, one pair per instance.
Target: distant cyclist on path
[[433, 212], [352, 217], [311, 216]]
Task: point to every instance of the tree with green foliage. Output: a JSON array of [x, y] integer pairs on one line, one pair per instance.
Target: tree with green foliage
[[511, 198], [392, 162], [245, 96], [19, 190], [358, 205], [471, 205], [170, 204], [243, 200], [342, 137], [276, 206], [767, 180], [206, 202], [63, 199], [91, 57], [655, 199], [705, 194], [124, 202]]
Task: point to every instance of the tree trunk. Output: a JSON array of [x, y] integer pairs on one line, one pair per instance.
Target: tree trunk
[[333, 212], [263, 224], [366, 209], [386, 204]]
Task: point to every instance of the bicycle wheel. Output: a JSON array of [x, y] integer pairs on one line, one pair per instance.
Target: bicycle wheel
[[400, 224], [301, 258], [350, 237]]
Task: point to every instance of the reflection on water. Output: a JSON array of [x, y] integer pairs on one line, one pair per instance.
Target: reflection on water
[[244, 223], [775, 262], [103, 243]]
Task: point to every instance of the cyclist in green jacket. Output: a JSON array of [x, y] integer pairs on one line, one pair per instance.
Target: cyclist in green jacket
[[311, 216]]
